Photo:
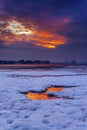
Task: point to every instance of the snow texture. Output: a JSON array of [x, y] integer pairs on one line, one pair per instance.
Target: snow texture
[[17, 112]]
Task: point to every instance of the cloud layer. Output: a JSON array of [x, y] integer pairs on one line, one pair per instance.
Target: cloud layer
[[59, 18]]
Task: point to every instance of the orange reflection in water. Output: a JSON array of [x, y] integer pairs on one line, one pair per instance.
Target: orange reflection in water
[[44, 95], [53, 89], [40, 96]]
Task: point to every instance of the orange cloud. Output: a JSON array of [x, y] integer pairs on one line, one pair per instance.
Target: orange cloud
[[16, 30]]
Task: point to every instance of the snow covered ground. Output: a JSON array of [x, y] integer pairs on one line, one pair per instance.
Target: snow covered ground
[[17, 112]]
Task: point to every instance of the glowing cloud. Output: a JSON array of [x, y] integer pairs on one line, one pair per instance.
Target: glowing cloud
[[16, 30]]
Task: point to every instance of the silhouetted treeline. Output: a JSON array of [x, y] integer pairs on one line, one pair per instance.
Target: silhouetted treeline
[[24, 62], [68, 63]]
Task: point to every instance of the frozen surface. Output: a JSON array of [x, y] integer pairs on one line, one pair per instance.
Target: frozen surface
[[17, 112]]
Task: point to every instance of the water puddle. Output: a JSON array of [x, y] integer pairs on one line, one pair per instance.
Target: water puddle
[[44, 95], [40, 96], [54, 89]]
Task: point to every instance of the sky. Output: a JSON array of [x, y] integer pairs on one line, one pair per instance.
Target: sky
[[54, 30]]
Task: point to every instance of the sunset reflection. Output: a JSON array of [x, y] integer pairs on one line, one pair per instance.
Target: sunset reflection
[[44, 94], [40, 96], [53, 89]]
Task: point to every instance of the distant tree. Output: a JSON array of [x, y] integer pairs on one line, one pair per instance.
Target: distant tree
[[24, 62]]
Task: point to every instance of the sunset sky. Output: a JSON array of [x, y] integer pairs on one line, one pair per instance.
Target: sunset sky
[[54, 30]]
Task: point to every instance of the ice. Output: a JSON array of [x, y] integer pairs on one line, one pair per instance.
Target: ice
[[17, 112]]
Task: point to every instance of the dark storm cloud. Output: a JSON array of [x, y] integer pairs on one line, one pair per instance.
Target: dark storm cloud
[[45, 11], [76, 32], [37, 8]]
